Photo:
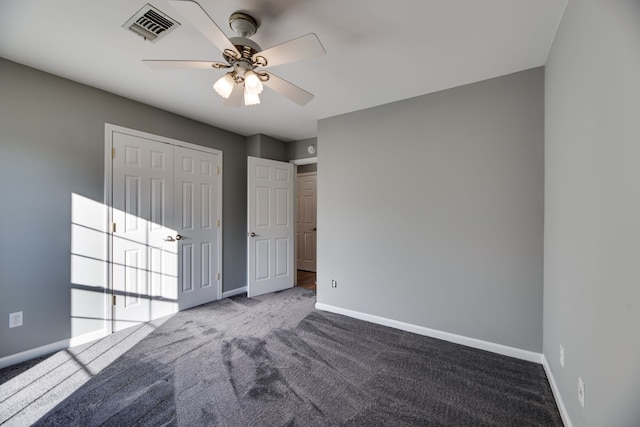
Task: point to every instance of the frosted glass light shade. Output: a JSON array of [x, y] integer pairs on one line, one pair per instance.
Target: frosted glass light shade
[[251, 98], [224, 86], [252, 83]]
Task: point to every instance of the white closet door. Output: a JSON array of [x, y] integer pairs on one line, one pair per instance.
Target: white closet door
[[196, 210], [144, 275], [166, 211]]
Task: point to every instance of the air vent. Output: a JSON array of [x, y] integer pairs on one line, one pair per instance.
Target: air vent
[[151, 24]]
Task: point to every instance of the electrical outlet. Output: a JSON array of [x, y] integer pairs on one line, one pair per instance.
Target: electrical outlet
[[334, 283], [561, 355], [15, 319], [581, 391]]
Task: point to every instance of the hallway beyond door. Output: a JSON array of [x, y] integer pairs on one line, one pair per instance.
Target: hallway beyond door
[[306, 279]]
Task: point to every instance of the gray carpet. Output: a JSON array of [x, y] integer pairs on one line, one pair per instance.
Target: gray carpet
[[275, 361]]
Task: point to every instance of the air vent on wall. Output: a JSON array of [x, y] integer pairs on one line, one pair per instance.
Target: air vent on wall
[[151, 24]]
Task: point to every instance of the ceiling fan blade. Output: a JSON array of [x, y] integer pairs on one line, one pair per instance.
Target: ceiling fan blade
[[170, 64], [199, 18], [291, 91], [235, 99], [305, 47]]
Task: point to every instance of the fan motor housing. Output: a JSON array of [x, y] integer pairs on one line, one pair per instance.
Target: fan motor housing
[[242, 24], [246, 47]]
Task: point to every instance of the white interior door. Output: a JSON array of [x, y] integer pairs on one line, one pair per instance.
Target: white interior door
[[196, 181], [271, 224], [306, 184], [144, 276]]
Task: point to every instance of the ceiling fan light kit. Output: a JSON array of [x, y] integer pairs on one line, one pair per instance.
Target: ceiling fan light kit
[[252, 83], [224, 86], [251, 98], [244, 57]]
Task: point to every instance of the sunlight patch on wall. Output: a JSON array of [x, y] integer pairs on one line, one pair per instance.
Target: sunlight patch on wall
[[88, 266]]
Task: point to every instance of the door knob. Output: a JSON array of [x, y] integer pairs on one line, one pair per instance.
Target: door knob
[[169, 239], [252, 234], [179, 237]]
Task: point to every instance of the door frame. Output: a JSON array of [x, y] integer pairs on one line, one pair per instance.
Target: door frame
[[109, 129], [296, 163]]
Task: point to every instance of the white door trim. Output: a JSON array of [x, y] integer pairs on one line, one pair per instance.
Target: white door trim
[[306, 161], [300, 162], [109, 129]]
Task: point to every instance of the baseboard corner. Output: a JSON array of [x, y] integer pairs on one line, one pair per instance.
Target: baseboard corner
[[505, 350], [564, 414]]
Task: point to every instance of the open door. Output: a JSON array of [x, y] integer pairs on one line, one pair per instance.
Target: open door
[[306, 184], [270, 226]]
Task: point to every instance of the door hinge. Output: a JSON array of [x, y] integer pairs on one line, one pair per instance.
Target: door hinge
[[113, 153], [113, 227], [218, 223], [218, 276], [113, 299], [218, 170]]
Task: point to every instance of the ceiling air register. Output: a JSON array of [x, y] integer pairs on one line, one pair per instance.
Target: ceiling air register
[[151, 24]]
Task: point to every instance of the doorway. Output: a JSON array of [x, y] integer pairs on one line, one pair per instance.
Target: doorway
[[306, 225]]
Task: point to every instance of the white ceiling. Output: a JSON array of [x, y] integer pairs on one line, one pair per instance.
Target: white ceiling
[[378, 51]]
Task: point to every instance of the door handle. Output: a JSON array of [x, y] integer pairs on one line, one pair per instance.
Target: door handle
[[171, 239], [315, 229], [252, 234]]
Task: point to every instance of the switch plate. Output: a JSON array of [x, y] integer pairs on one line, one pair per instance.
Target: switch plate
[[334, 283], [15, 319]]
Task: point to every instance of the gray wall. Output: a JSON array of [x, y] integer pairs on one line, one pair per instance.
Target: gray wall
[[52, 146], [266, 147], [298, 149], [431, 210], [253, 145], [592, 211]]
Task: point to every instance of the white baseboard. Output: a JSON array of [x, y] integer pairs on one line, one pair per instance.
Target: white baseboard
[[556, 393], [234, 292], [51, 348], [91, 336], [529, 356], [33, 353], [75, 341]]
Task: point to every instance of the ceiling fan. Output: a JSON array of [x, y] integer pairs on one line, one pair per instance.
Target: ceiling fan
[[244, 57]]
